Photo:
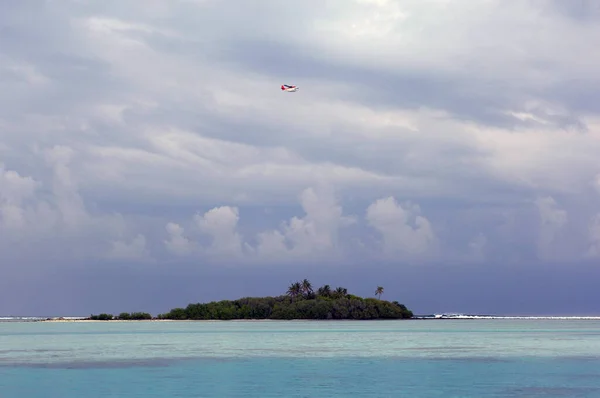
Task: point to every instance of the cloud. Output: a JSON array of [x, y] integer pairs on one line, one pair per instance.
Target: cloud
[[213, 235], [403, 229], [178, 243], [594, 237], [424, 132], [15, 190], [134, 250], [552, 220], [221, 224], [51, 219], [313, 236]]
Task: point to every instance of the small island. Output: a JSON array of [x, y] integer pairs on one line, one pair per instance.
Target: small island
[[299, 302]]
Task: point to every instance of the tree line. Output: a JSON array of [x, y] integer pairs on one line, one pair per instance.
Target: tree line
[[125, 316], [300, 301]]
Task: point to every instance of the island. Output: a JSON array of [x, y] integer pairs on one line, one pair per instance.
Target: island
[[299, 302]]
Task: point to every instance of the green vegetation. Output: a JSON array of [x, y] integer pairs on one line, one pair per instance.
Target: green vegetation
[[137, 316], [300, 302]]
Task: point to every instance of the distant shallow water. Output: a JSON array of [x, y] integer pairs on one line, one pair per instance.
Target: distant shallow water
[[496, 358], [416, 317]]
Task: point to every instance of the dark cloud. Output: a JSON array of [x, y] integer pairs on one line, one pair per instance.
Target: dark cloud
[[128, 136]]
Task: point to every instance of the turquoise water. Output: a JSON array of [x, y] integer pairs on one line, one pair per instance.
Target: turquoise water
[[446, 358]]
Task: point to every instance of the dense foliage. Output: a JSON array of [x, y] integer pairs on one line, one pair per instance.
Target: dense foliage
[[122, 316], [300, 302]]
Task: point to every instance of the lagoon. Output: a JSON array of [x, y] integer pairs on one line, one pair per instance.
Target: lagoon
[[416, 358]]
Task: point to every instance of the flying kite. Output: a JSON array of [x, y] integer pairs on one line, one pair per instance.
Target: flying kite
[[289, 88]]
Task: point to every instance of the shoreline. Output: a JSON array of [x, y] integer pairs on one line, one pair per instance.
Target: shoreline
[[210, 320], [473, 318]]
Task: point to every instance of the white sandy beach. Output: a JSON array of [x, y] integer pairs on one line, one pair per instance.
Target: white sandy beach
[[155, 320]]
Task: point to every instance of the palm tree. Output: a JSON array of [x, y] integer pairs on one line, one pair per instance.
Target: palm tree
[[341, 292], [324, 291], [379, 291], [294, 290], [306, 287]]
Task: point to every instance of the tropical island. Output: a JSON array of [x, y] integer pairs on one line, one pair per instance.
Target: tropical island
[[299, 302]]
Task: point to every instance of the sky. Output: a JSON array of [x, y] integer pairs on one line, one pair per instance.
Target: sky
[[445, 150]]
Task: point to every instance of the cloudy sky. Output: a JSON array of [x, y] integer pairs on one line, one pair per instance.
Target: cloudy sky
[[447, 150]]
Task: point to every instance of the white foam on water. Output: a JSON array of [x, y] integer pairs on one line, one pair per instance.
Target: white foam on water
[[38, 318], [543, 317]]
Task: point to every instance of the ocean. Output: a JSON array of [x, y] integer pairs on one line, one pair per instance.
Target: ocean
[[408, 358]]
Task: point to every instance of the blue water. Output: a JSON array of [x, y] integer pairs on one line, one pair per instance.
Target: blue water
[[492, 358]]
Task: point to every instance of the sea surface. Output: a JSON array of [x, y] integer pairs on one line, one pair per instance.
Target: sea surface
[[411, 358]]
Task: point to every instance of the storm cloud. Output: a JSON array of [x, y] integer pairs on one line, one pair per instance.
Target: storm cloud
[[151, 139]]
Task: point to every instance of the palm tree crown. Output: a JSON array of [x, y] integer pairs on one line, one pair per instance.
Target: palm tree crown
[[324, 291], [306, 287], [294, 290]]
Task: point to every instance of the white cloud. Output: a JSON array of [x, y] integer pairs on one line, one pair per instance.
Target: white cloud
[[134, 250], [66, 198], [438, 35], [141, 115], [14, 190], [220, 224], [313, 236], [51, 217], [178, 243], [404, 231]]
